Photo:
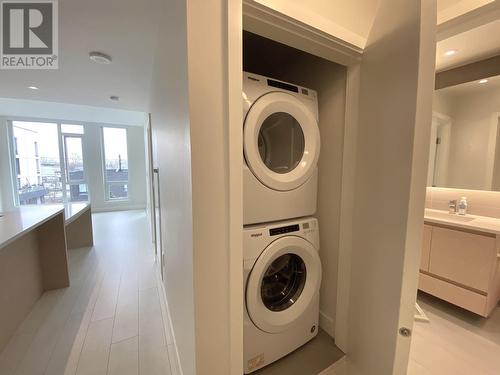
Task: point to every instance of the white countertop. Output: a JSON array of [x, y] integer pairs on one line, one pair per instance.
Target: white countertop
[[470, 222], [13, 224], [72, 211]]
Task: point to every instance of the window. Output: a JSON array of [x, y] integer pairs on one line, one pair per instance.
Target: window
[[76, 188], [37, 162], [115, 163], [72, 129]]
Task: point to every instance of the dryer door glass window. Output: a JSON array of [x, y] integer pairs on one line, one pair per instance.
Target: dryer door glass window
[[283, 282], [281, 142]]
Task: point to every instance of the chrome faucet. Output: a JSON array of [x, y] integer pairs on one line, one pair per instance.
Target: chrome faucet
[[452, 206]]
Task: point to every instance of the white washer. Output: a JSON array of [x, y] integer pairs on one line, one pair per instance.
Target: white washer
[[281, 144], [282, 271]]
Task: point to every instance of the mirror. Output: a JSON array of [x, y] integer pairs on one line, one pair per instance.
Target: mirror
[[464, 135]]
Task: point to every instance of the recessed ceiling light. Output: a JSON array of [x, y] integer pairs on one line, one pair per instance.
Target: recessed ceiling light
[[483, 81], [100, 58], [450, 52], [33, 87], [114, 97]]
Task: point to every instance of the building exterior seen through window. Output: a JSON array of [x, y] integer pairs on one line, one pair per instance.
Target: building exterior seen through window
[[115, 162], [37, 164]]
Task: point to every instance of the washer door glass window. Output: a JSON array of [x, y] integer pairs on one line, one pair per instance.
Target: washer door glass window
[[281, 142], [283, 282]]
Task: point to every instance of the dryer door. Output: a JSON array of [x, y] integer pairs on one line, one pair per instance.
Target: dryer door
[[283, 283], [281, 141]]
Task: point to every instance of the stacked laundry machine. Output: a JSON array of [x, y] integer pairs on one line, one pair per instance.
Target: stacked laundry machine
[[282, 268]]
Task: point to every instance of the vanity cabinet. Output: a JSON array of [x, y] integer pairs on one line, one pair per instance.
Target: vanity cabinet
[[426, 248], [461, 267]]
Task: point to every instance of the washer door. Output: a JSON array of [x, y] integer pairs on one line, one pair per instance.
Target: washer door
[[283, 283], [281, 141]]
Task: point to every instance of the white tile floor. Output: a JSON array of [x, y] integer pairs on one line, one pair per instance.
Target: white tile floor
[[455, 342], [109, 321]]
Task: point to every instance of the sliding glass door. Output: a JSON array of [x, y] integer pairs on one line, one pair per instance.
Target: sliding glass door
[[76, 185]]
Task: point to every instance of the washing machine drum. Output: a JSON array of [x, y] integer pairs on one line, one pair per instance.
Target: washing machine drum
[[283, 283], [281, 141]]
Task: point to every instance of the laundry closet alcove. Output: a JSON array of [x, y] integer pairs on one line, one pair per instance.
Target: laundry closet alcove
[[269, 58]]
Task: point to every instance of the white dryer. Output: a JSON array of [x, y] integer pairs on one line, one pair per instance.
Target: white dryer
[[282, 271], [281, 144]]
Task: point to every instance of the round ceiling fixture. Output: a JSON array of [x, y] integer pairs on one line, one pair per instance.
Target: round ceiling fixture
[[450, 52], [33, 87], [114, 97], [483, 81], [100, 58]]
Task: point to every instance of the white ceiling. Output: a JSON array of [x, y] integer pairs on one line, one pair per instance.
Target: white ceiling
[[124, 29], [352, 20], [473, 87], [449, 9], [127, 30], [473, 45]]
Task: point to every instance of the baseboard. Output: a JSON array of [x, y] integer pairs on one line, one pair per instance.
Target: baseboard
[[327, 323], [118, 208], [166, 315]]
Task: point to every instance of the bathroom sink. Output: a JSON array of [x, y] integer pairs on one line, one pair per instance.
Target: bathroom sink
[[448, 217]]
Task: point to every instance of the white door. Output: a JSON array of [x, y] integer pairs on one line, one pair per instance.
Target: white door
[[282, 284], [281, 141], [392, 151]]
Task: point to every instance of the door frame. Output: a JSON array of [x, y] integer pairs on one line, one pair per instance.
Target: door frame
[[261, 20]]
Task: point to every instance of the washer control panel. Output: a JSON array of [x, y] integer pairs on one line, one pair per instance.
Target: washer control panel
[[283, 230], [258, 236]]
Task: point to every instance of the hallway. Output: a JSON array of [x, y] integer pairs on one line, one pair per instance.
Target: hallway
[[111, 319]]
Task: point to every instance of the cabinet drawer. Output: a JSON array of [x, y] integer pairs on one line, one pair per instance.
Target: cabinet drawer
[[462, 297], [465, 258], [426, 248]]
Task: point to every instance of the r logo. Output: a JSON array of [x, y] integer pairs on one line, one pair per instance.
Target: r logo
[[29, 34]]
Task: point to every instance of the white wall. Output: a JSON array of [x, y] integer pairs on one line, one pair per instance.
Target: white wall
[[442, 103], [470, 158], [93, 118], [473, 136], [69, 112], [199, 182], [6, 195], [172, 156]]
